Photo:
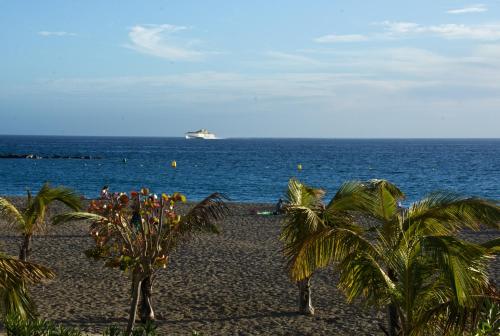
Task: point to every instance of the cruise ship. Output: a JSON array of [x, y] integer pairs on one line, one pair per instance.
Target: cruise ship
[[200, 134]]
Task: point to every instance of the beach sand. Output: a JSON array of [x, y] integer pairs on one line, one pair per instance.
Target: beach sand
[[228, 284]]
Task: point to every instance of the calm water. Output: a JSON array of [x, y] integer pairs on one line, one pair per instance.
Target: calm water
[[250, 169]]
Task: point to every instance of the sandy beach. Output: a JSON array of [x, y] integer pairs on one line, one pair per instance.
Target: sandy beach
[[228, 284]]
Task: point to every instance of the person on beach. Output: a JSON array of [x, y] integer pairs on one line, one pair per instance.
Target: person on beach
[[105, 192], [279, 207], [136, 220]]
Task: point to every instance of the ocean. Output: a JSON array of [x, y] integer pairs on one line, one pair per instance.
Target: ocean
[[249, 170]]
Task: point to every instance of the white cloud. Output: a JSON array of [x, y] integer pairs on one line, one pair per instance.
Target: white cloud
[[286, 59], [489, 51], [460, 31], [399, 27], [332, 38], [55, 33], [391, 72], [479, 8], [485, 32], [160, 41], [388, 72], [211, 87], [394, 29]]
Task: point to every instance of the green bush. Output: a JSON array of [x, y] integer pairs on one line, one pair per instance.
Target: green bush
[[113, 330], [489, 324], [16, 326], [148, 329]]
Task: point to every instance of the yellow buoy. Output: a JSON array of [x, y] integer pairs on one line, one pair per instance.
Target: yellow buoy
[[174, 164], [299, 166]]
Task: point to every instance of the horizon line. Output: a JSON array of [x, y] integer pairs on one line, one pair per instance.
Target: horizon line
[[255, 137]]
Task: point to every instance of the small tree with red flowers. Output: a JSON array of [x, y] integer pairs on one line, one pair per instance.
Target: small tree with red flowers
[[136, 233]]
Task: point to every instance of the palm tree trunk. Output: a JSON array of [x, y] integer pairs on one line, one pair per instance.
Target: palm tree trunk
[[25, 249], [136, 284], [392, 314], [305, 301], [392, 311], [146, 310]]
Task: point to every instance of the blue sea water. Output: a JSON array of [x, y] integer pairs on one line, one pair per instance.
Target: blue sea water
[[250, 170]]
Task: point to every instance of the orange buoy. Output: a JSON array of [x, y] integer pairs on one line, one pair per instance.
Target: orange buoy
[[173, 164]]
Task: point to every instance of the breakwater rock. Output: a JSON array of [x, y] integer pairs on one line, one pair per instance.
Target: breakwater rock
[[54, 156]]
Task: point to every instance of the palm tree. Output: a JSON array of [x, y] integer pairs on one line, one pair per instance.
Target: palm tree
[[411, 260], [31, 219], [141, 234], [15, 275], [305, 216]]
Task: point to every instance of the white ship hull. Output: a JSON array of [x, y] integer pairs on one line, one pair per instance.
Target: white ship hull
[[202, 134]]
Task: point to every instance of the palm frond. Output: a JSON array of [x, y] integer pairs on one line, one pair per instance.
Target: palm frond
[[204, 215], [16, 300], [393, 189], [462, 264], [386, 197], [12, 270], [76, 216], [301, 220], [321, 248], [303, 212], [35, 213], [362, 275], [351, 196], [492, 245], [64, 195], [16, 275], [445, 213], [10, 212], [48, 194], [299, 194]]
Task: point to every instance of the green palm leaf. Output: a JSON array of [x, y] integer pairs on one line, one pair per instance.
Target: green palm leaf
[[15, 275], [445, 213], [493, 245], [76, 216], [204, 215], [10, 212], [352, 196], [64, 195], [38, 206], [363, 276], [463, 264], [323, 247], [387, 196]]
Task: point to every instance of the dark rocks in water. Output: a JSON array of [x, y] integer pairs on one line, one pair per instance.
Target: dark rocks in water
[[16, 156], [55, 156], [33, 156]]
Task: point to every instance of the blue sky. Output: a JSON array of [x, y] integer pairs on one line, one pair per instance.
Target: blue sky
[[338, 69]]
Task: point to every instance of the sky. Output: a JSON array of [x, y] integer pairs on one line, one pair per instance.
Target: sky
[[261, 68]]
